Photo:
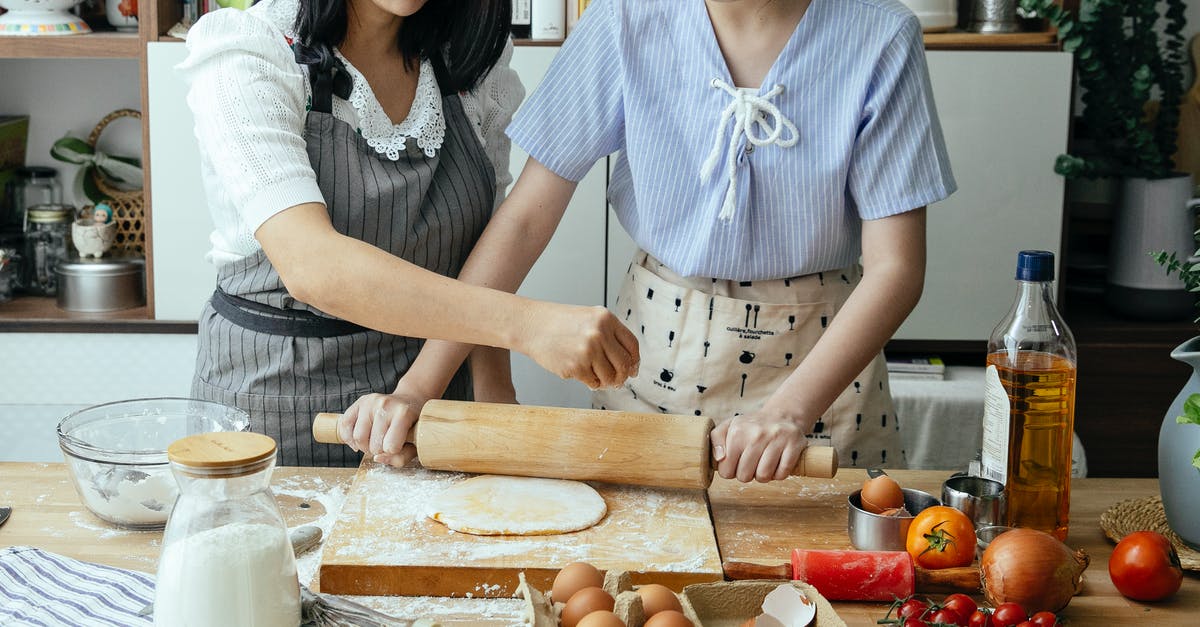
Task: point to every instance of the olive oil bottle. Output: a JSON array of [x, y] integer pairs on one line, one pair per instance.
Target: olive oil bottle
[[1029, 402]]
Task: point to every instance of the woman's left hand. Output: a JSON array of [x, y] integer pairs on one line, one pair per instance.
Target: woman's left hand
[[378, 425], [762, 446]]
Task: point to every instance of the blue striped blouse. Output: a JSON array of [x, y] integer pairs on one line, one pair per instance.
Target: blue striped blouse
[[700, 181]]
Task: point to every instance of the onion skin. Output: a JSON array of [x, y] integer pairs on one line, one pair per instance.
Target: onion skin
[[1032, 568]]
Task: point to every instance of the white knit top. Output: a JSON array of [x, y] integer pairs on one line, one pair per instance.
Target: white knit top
[[249, 98]]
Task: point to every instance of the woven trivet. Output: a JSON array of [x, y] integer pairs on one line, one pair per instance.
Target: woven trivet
[[1145, 514]]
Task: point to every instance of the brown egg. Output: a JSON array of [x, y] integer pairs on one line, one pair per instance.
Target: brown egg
[[656, 598], [880, 494], [749, 622], [601, 618], [575, 577], [585, 602], [668, 618]]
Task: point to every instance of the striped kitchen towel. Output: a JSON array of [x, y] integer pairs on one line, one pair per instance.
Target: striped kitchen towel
[[45, 589]]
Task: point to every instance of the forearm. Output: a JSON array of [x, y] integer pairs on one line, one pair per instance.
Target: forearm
[[361, 283], [512, 242], [893, 279], [859, 331]]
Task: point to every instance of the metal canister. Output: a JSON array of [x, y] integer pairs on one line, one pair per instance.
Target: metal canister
[[47, 243], [104, 284]]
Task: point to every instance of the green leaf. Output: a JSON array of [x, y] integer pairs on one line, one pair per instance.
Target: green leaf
[[1196, 460], [1191, 411]]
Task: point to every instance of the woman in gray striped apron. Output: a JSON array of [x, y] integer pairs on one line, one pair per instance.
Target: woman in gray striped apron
[[338, 232]]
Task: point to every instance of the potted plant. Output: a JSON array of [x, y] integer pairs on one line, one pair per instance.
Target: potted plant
[[1130, 58]]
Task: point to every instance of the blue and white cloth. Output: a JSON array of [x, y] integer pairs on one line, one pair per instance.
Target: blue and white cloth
[[39, 588], [766, 183]]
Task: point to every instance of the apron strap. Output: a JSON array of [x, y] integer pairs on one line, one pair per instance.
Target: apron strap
[[326, 73], [262, 318]]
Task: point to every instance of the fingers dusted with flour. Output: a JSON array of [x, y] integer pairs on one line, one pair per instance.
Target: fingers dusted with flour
[[379, 425]]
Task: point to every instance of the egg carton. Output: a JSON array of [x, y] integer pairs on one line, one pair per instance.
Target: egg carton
[[717, 604]]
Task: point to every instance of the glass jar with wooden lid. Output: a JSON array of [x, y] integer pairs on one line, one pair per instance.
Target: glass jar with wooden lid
[[226, 558]]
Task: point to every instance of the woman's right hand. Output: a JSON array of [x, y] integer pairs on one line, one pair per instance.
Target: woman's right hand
[[588, 344], [378, 425]]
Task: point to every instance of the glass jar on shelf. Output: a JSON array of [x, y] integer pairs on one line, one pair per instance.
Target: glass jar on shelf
[[30, 186], [47, 243]]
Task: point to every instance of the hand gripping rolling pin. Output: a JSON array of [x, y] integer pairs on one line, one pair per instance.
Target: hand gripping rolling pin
[[581, 444]]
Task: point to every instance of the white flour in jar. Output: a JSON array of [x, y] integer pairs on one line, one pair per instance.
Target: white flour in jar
[[239, 574]]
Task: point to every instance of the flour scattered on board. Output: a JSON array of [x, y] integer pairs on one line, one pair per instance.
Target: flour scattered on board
[[399, 498]]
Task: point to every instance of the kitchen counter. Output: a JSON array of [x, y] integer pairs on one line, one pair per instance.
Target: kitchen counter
[[759, 523]]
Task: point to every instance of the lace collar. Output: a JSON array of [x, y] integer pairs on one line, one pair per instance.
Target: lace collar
[[425, 122]]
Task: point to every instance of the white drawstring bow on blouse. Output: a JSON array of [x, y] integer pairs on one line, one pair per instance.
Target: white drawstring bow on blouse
[[747, 109]]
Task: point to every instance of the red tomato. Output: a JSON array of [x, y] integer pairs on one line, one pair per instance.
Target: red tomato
[[1044, 619], [912, 608], [962, 604], [980, 618], [941, 537], [1026, 623], [946, 616], [1008, 615], [1145, 567], [914, 622]]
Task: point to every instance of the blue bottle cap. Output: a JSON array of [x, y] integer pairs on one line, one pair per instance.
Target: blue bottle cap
[[1035, 265]]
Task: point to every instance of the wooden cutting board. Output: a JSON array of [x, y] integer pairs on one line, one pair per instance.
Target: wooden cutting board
[[384, 544]]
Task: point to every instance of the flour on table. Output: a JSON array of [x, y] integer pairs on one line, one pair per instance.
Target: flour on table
[[491, 505]]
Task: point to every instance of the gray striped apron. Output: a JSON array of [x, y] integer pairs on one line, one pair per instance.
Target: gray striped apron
[[284, 361]]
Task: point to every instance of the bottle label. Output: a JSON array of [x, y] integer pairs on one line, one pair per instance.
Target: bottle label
[[996, 408]]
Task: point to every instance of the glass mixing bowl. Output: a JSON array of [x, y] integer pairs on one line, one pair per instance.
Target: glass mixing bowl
[[116, 454]]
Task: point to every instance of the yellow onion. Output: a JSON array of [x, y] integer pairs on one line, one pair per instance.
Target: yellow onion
[[1032, 568]]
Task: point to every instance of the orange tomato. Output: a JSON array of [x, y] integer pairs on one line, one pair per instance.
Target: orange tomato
[[941, 537]]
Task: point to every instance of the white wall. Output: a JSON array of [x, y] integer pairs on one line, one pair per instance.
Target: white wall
[[48, 375], [63, 96]]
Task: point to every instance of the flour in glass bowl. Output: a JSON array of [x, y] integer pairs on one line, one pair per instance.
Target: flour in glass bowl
[[239, 574]]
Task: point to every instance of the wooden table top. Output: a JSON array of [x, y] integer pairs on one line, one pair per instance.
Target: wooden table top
[[754, 522]]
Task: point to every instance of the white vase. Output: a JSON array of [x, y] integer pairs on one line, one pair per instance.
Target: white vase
[[1153, 215], [118, 20]]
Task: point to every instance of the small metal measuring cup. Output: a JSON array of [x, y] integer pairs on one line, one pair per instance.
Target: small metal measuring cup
[[982, 500]]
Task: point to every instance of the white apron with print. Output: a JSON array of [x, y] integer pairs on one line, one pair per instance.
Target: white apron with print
[[721, 348]]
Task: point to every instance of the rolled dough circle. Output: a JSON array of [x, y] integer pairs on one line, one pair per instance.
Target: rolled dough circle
[[491, 505]]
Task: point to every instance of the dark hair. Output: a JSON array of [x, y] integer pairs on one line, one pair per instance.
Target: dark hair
[[463, 39]]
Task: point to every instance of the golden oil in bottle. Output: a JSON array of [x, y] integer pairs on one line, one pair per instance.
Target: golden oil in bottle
[[1029, 403]]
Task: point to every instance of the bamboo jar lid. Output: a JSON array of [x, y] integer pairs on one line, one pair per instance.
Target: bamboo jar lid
[[222, 451]]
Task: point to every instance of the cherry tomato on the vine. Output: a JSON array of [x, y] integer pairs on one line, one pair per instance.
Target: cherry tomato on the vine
[[962, 604], [946, 616], [1026, 623], [1009, 615], [1044, 619], [912, 608], [980, 618], [913, 622]]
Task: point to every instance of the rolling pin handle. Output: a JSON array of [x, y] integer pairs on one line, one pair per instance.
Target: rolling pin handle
[[959, 579], [820, 462], [325, 428]]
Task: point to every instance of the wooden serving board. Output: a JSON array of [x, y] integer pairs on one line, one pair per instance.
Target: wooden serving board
[[384, 544]]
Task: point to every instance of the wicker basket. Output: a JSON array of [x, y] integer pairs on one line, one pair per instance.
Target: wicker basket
[[128, 206]]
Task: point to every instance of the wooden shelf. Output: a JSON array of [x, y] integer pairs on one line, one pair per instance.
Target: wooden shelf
[[538, 42], [102, 44], [40, 314], [958, 40]]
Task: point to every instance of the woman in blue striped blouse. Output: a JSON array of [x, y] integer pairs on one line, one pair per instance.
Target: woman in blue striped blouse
[[763, 148]]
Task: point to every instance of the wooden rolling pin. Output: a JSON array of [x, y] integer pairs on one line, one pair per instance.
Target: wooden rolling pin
[[581, 444]]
